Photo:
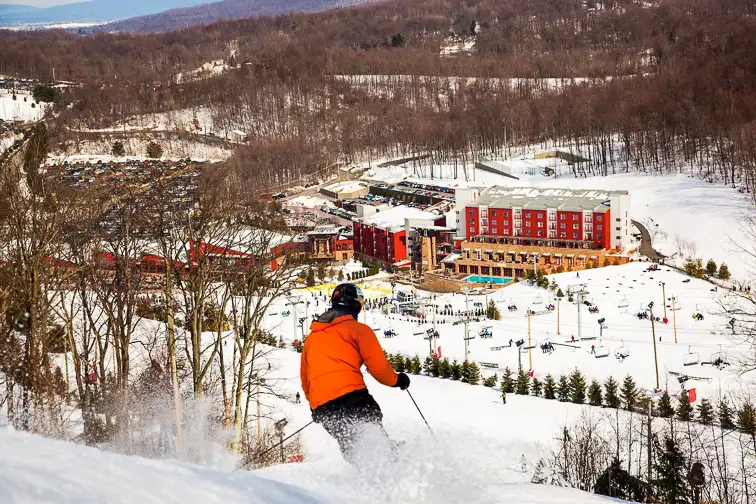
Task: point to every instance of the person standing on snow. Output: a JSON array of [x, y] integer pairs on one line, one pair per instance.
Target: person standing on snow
[[503, 396], [333, 353]]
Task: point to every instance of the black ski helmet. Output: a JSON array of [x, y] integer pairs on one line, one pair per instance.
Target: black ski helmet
[[349, 296]]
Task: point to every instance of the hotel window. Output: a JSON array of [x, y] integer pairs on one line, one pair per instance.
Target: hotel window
[[472, 229], [540, 224], [494, 230], [506, 214], [493, 222], [562, 235], [540, 233], [598, 237], [599, 218], [562, 217], [527, 232], [562, 226], [599, 227], [575, 226], [575, 217], [471, 211], [527, 223], [527, 215], [575, 235]]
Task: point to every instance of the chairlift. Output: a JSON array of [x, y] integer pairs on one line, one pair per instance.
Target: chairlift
[[538, 300], [623, 303], [531, 347], [601, 352], [485, 332], [691, 358], [718, 357], [622, 353]]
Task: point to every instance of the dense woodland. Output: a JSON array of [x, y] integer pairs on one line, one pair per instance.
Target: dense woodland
[[675, 82]]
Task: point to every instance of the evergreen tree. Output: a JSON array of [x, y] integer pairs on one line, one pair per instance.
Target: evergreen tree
[[724, 272], [154, 150], [473, 377], [747, 419], [415, 366], [666, 410], [523, 383], [705, 412], [594, 393], [684, 408], [444, 368], [563, 389], [456, 371], [549, 387], [671, 467], [618, 483], [577, 387], [117, 150], [407, 365], [610, 393], [465, 372], [492, 312], [341, 276], [725, 415], [507, 384], [711, 267], [427, 364], [310, 277], [629, 393], [349, 277], [535, 387], [491, 381], [560, 294]]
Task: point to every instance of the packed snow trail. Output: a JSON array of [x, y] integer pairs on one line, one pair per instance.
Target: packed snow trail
[[40, 471]]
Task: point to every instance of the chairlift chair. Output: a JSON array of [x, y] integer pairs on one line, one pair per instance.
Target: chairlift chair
[[691, 358], [622, 352], [623, 303], [601, 352], [538, 300]]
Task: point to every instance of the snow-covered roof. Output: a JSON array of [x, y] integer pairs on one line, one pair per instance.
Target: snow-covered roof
[[532, 198], [394, 218], [348, 186]]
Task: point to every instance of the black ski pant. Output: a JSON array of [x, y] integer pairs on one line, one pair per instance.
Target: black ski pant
[[344, 417]]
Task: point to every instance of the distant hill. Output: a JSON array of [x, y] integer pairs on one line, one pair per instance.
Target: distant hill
[[225, 9], [93, 11]]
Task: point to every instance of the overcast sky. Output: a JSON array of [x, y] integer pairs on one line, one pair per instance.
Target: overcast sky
[[38, 3]]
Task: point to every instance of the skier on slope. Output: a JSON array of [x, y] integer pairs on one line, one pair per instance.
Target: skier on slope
[[332, 381]]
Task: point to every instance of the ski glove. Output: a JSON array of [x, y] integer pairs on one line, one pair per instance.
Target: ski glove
[[402, 381]]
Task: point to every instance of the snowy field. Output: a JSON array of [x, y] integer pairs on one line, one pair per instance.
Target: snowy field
[[620, 292], [18, 109]]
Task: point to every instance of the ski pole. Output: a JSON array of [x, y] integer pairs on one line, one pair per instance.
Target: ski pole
[[418, 410], [278, 444]]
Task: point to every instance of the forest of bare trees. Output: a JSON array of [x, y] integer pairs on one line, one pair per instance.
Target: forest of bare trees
[[143, 349], [658, 87]]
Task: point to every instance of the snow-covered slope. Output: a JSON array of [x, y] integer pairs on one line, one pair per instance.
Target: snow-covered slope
[[23, 108]]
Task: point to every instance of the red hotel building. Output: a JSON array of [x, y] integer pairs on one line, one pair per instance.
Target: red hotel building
[[382, 236]]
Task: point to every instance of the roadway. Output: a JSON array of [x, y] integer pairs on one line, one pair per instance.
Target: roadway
[[645, 246]]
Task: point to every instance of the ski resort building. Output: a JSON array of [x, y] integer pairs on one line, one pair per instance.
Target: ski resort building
[[396, 237], [504, 231]]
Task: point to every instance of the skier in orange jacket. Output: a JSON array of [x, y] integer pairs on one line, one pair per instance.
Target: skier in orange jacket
[[333, 353]]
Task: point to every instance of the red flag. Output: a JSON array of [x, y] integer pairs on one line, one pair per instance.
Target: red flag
[[439, 353], [692, 395]]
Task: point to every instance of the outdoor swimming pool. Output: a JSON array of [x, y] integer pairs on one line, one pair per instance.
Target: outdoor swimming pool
[[487, 279]]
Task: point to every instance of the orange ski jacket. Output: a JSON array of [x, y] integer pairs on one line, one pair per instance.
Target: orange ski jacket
[[332, 356]]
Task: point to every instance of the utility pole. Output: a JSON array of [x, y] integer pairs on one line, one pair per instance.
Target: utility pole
[[664, 298], [653, 335], [674, 318], [648, 447], [559, 303]]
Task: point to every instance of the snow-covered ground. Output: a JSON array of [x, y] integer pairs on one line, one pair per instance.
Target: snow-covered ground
[[620, 292], [21, 108], [306, 201]]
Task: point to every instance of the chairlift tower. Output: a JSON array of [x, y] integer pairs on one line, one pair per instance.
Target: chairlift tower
[[579, 291]]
